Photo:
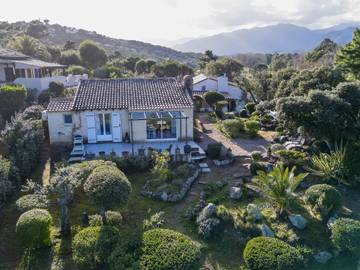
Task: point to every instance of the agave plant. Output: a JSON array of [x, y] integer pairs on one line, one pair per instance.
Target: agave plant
[[330, 165], [279, 184]]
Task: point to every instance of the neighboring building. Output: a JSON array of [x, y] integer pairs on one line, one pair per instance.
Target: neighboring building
[[124, 111], [233, 94], [18, 68]]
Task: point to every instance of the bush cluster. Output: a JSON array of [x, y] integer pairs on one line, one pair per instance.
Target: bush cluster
[[264, 253], [167, 249], [233, 127], [31, 201], [346, 235]]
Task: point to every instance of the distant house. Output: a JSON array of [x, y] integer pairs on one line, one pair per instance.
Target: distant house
[[120, 114], [233, 94], [18, 68]]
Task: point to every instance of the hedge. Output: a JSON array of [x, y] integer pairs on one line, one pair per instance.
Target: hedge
[[165, 249], [265, 253]]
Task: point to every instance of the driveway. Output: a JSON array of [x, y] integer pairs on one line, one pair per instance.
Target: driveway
[[239, 147]]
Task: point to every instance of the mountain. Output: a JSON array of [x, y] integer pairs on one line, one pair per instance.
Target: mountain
[[55, 34], [281, 38]]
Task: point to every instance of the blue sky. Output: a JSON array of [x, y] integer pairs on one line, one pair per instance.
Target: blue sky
[[161, 21]]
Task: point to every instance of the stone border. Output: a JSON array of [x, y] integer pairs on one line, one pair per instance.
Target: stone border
[[224, 162], [171, 197]]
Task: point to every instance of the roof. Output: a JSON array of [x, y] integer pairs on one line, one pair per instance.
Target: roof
[[38, 63], [202, 77], [131, 94], [11, 54], [201, 93], [61, 104]]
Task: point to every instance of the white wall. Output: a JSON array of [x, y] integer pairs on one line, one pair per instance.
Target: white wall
[[40, 84], [210, 85], [2, 73], [58, 131]]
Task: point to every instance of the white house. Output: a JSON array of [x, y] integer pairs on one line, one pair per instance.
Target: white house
[[118, 114], [234, 94], [18, 68]]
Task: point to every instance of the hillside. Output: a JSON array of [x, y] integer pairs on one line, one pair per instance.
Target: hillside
[[281, 38], [55, 34]]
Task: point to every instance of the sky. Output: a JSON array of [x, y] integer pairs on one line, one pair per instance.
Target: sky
[[172, 21]]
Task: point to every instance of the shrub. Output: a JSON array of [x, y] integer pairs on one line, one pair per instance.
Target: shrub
[[291, 157], [232, 127], [56, 89], [324, 200], [107, 186], [124, 259], [91, 246], [252, 127], [33, 112], [255, 167], [167, 249], [212, 97], [113, 218], [213, 150], [95, 220], [33, 228], [12, 99], [256, 156], [132, 163], [250, 107], [31, 201], [155, 221], [182, 171], [264, 253], [76, 70], [8, 178], [346, 235]]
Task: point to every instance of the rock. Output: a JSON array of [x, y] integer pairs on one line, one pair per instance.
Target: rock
[[254, 211], [208, 212], [283, 139], [164, 196], [323, 257], [346, 211], [331, 222], [276, 147], [266, 231], [235, 193], [237, 175], [298, 221]]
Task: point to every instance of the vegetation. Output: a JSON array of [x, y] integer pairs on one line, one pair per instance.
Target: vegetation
[[279, 184], [12, 98], [264, 253], [212, 97], [91, 54], [346, 235], [166, 249], [33, 228]]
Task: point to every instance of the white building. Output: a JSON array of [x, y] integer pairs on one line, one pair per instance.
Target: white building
[[18, 68], [234, 94]]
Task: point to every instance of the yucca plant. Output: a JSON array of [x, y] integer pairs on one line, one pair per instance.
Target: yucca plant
[[330, 165], [279, 184]]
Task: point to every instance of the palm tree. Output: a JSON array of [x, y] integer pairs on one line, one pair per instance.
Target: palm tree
[[279, 184], [29, 46]]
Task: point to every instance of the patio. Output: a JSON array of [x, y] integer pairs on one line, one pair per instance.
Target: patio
[[120, 148]]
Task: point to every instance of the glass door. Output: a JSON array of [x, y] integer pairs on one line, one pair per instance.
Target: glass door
[[103, 127]]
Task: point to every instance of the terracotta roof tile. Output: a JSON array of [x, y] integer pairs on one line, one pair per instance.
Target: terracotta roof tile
[[61, 104]]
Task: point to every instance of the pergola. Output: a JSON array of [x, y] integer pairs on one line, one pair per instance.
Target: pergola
[[160, 115]]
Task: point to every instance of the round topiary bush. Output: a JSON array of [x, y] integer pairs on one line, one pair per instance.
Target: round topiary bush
[[346, 235], [92, 246], [265, 253], [31, 201], [167, 249], [250, 107], [108, 186], [233, 127], [33, 228], [323, 199]]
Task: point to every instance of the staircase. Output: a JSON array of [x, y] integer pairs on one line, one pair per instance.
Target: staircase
[[78, 152]]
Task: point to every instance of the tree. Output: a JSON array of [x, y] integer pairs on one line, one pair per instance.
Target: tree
[[55, 53], [29, 46], [33, 228], [141, 67], [63, 183], [69, 58], [107, 186], [171, 68], [207, 57], [222, 66], [12, 99], [212, 97], [348, 58], [279, 184], [91, 54], [36, 29], [69, 45]]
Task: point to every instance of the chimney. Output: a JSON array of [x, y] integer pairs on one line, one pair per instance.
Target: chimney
[[188, 84]]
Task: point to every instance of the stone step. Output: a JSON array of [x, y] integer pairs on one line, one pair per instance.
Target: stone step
[[206, 170]]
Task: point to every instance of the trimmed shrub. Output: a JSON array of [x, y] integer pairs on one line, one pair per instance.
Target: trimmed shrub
[[33, 228], [265, 253], [91, 246], [233, 127], [32, 201], [108, 186], [346, 235], [95, 220], [113, 218], [291, 157], [12, 99], [252, 127], [256, 156], [212, 97], [165, 249], [213, 150], [8, 178], [124, 258], [324, 200]]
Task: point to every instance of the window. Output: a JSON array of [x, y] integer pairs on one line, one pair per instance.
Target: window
[[203, 88], [68, 119], [103, 124], [160, 125]]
